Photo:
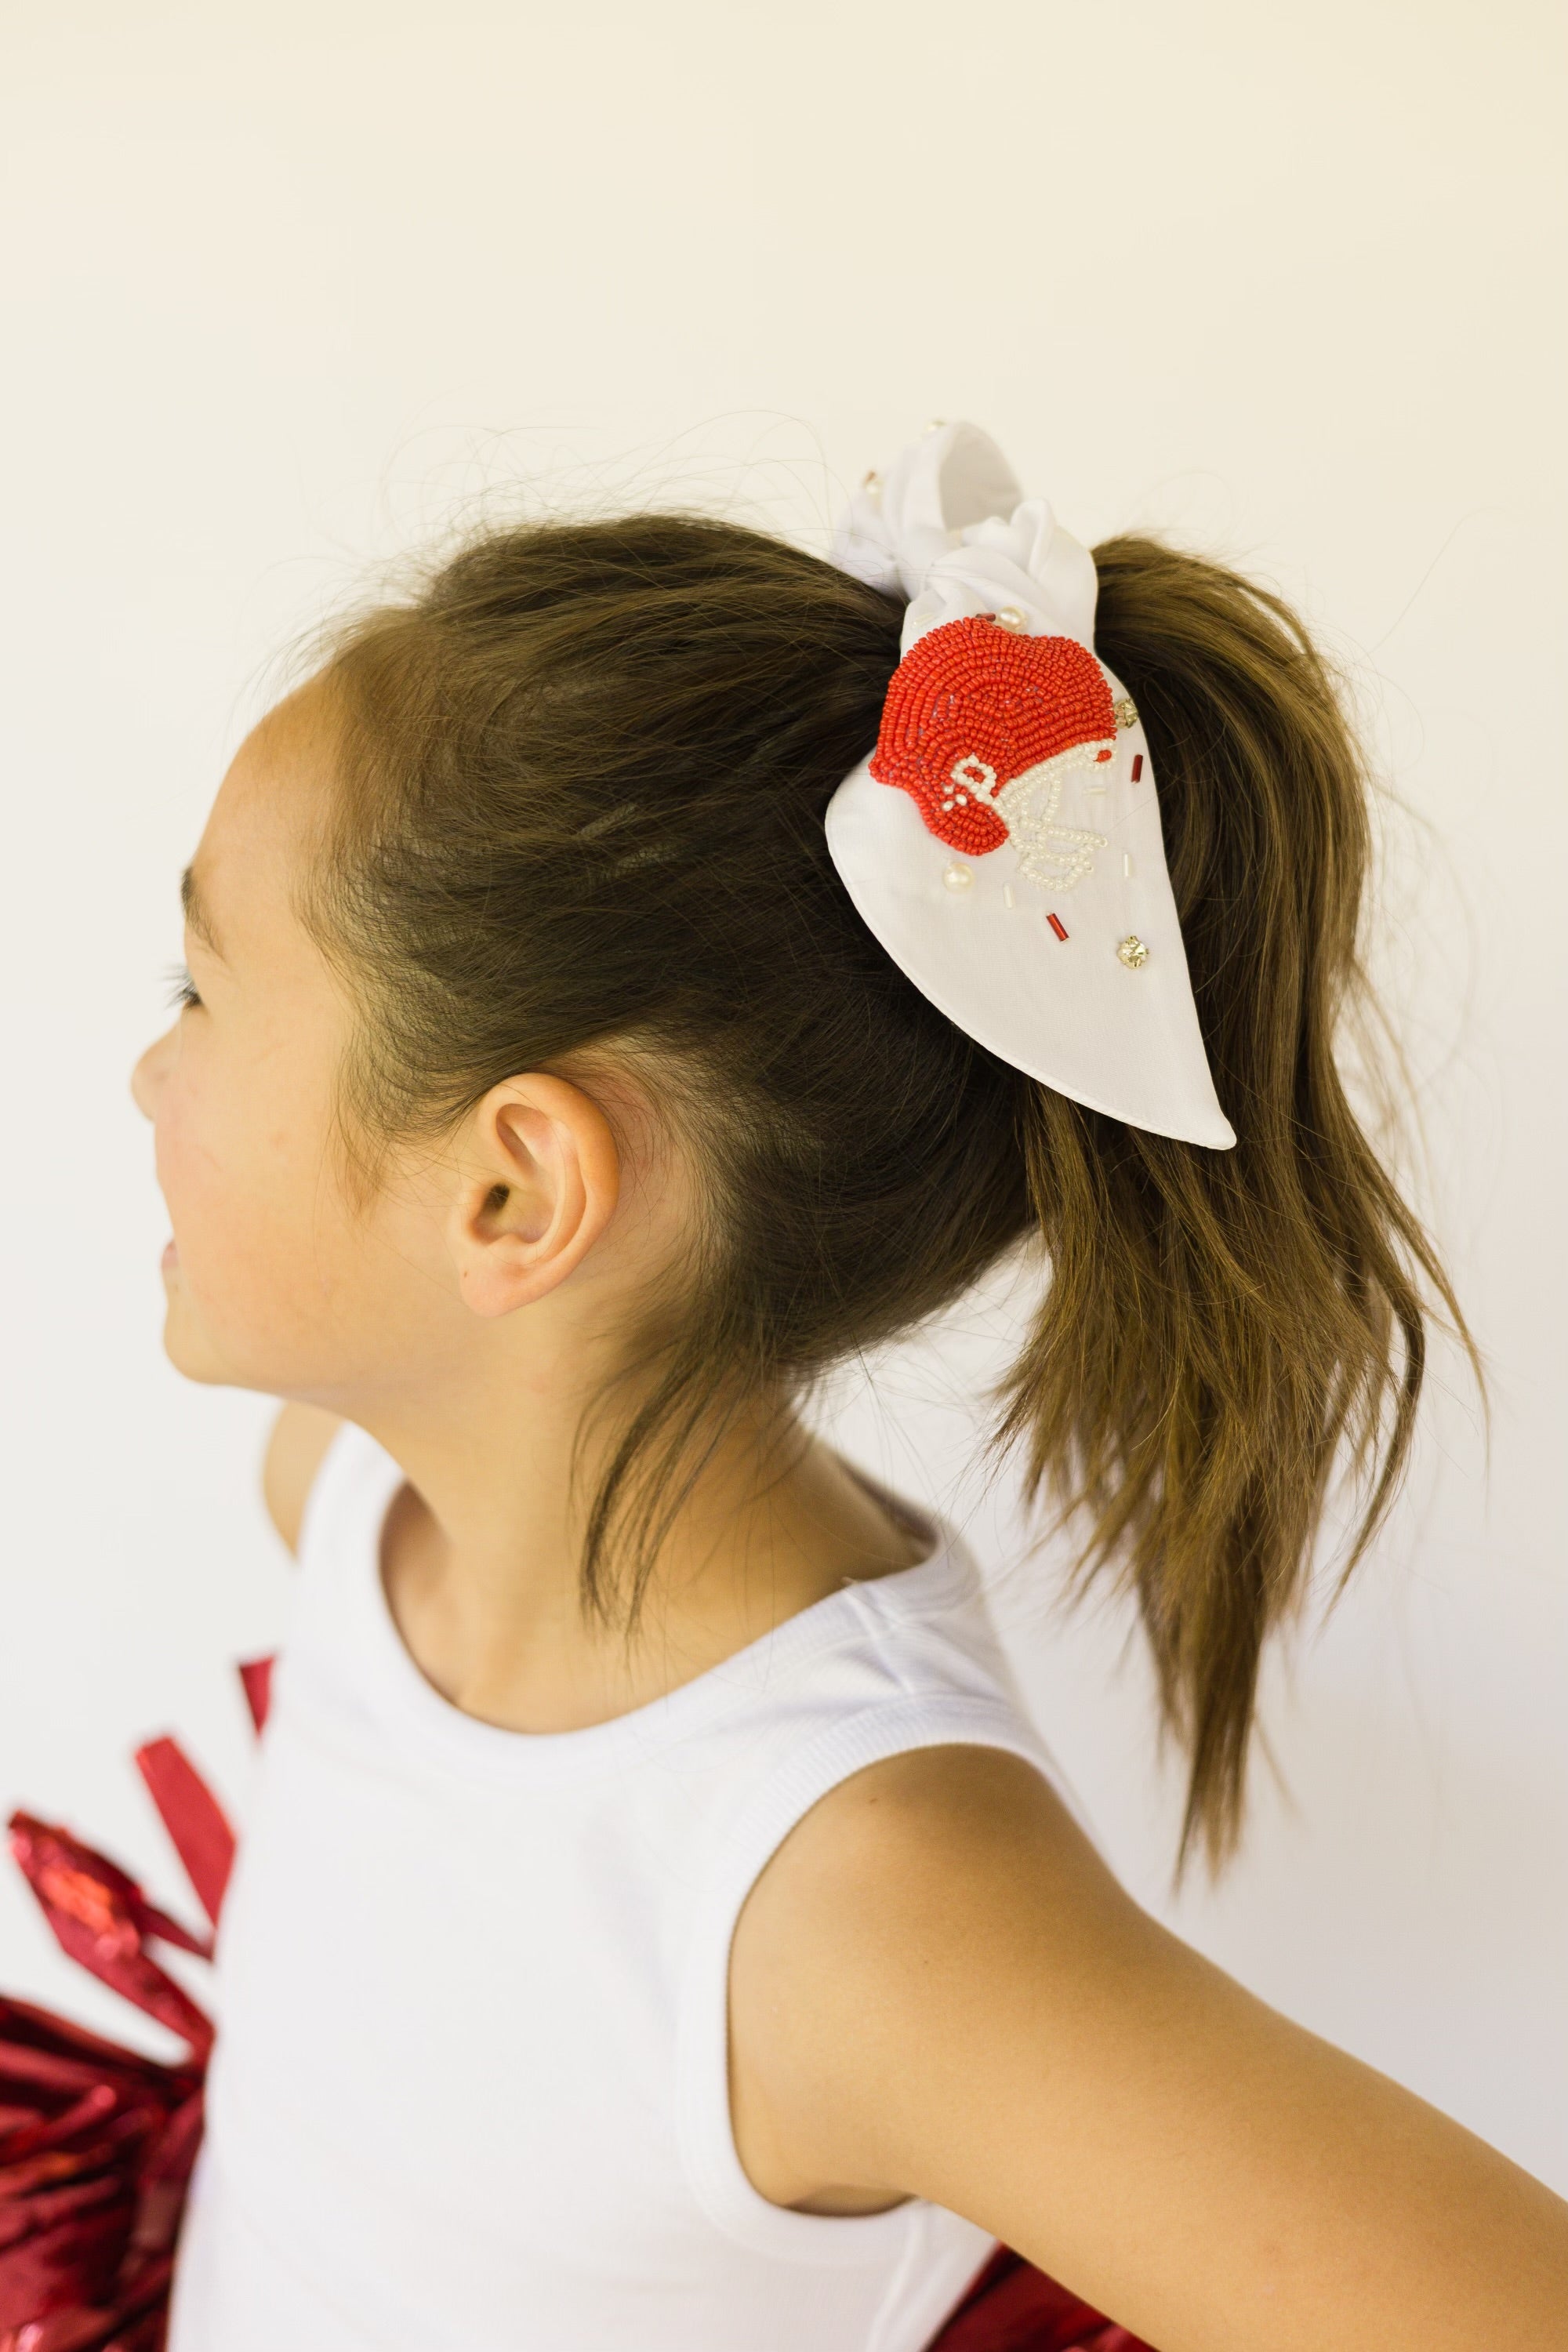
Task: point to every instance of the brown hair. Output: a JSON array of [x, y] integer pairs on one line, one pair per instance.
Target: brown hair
[[585, 770]]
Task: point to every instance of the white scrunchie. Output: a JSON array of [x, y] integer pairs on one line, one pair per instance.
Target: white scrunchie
[[952, 530]]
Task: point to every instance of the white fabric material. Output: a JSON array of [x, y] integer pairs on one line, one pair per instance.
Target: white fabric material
[[949, 528], [470, 2088]]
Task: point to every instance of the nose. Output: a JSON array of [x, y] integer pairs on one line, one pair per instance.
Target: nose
[[147, 1077]]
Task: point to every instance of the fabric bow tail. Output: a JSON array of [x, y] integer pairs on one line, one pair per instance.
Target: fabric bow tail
[[97, 2142]]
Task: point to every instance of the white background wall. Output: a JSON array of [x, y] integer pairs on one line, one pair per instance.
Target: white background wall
[[287, 287]]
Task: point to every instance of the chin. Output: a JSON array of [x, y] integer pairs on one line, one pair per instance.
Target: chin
[[238, 1355], [193, 1356], [197, 1354]]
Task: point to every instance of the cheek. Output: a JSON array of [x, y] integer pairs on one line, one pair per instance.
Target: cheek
[[265, 1285]]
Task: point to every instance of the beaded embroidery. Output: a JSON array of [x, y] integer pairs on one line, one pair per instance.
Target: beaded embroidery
[[980, 728]]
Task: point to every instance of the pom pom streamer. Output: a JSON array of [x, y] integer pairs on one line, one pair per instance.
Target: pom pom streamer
[[97, 2142]]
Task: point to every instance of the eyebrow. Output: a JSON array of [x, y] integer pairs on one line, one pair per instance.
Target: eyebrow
[[197, 919]]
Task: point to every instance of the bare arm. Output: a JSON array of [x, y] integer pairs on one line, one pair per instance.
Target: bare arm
[[938, 1989], [300, 1437]]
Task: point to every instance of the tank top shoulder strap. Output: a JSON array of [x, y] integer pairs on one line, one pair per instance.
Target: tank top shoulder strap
[[348, 1500]]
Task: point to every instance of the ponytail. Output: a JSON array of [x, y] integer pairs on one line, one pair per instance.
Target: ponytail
[[1221, 1329], [584, 774]]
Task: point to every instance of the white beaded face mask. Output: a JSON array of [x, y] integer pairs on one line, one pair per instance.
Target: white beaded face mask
[[1003, 840]]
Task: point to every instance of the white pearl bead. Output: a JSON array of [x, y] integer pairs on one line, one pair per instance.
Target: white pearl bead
[[1012, 616], [959, 878]]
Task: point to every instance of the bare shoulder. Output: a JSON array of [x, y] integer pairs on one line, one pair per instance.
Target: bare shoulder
[[909, 1845], [295, 1451], [916, 1895]]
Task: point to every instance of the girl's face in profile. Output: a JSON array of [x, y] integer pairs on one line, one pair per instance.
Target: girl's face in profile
[[276, 1279]]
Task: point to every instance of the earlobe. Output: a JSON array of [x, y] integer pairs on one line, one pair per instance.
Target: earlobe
[[538, 1178]]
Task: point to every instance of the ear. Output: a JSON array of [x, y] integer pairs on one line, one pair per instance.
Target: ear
[[538, 1177]]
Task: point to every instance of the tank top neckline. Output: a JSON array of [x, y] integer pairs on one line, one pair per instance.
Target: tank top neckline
[[346, 1517]]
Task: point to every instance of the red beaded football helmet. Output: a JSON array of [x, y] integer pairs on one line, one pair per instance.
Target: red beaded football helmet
[[980, 728]]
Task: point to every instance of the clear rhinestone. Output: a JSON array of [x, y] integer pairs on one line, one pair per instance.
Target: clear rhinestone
[[1132, 951]]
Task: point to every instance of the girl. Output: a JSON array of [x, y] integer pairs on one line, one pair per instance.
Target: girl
[[658, 1926]]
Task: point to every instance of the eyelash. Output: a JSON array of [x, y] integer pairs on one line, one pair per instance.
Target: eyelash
[[181, 989]]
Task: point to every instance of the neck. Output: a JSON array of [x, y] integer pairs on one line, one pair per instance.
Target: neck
[[482, 1556]]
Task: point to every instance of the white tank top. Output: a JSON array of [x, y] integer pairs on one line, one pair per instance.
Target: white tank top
[[470, 2091]]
